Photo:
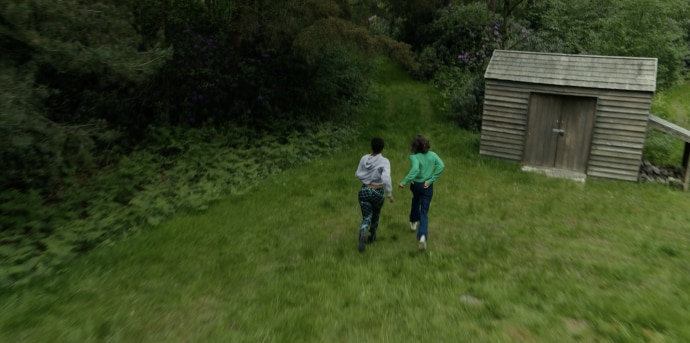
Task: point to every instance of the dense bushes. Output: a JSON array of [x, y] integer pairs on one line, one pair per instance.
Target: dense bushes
[[463, 92], [635, 28], [459, 46], [179, 170], [107, 107], [660, 147], [117, 113], [454, 40], [68, 75]]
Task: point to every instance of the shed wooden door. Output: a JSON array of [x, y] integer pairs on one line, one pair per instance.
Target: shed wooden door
[[559, 131]]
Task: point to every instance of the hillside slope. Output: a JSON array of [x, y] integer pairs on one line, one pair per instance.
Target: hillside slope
[[513, 257]]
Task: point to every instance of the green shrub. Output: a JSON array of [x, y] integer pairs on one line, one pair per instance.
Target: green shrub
[[463, 92], [176, 170], [659, 148], [661, 107], [429, 63], [458, 45]]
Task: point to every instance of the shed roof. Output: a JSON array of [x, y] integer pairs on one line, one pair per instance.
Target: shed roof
[[609, 72]]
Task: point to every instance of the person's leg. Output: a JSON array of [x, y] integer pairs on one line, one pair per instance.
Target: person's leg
[[416, 201], [367, 211], [425, 203], [376, 202]]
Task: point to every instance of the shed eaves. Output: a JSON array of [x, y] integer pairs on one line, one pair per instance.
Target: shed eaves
[[609, 72]]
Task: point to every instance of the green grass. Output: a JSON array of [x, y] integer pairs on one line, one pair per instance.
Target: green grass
[[673, 105], [679, 104], [513, 257], [679, 108]]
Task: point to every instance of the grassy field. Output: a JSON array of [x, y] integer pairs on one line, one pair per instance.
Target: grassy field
[[512, 257]]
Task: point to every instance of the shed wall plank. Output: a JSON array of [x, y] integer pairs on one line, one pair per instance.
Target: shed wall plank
[[617, 138], [627, 164], [617, 143], [605, 72], [509, 157], [622, 135]]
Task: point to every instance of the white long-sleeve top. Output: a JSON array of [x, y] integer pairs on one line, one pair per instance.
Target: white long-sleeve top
[[376, 170]]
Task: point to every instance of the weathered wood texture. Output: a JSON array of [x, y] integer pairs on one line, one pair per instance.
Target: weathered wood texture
[[622, 86], [609, 72], [670, 128]]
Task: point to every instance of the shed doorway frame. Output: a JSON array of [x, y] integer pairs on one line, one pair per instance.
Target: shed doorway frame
[[559, 133]]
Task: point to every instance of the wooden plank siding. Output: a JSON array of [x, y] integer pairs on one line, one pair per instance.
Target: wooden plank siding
[[617, 139], [587, 71], [504, 121], [622, 86]]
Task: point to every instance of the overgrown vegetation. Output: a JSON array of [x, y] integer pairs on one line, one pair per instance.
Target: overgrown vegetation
[[674, 106], [454, 40], [115, 114], [512, 257], [185, 170]]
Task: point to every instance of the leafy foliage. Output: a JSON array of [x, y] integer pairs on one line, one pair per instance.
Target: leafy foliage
[[463, 92], [461, 36], [99, 101], [64, 79], [182, 170], [410, 15], [460, 44], [115, 114], [514, 257], [623, 28], [657, 32], [661, 148]]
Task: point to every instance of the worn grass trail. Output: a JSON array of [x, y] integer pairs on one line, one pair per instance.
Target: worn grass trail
[[513, 257]]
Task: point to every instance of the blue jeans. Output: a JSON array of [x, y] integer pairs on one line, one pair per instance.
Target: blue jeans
[[370, 202], [421, 200]]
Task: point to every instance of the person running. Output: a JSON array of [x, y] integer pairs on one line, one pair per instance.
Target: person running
[[425, 168], [374, 171]]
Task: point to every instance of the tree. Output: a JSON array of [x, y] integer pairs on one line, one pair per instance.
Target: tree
[[253, 62], [67, 67], [634, 28], [648, 29], [411, 15], [509, 10]]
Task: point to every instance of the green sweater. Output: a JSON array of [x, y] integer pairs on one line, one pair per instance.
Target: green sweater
[[424, 167]]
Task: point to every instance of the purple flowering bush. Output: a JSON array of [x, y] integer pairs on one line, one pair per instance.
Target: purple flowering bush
[[459, 45], [463, 36]]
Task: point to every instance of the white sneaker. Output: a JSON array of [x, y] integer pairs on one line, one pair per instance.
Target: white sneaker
[[413, 225], [422, 243]]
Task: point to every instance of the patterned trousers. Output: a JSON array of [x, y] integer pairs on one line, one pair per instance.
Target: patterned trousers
[[370, 202]]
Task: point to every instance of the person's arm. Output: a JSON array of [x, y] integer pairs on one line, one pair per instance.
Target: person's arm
[[439, 166], [360, 169], [414, 171], [386, 178]]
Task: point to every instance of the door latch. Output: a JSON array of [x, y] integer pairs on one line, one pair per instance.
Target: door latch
[[560, 132]]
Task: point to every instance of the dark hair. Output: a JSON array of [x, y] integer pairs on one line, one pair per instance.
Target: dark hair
[[420, 144], [376, 145]]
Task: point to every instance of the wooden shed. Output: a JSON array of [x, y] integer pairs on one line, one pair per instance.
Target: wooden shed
[[579, 114]]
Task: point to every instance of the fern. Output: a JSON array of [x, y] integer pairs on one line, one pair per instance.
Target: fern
[[186, 170]]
